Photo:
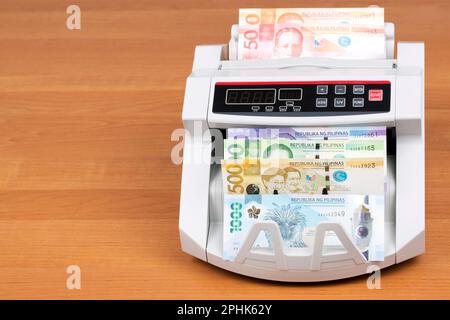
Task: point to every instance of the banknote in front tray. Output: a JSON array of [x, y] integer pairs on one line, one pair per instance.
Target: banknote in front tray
[[304, 176], [313, 133], [356, 33], [284, 148], [298, 216]]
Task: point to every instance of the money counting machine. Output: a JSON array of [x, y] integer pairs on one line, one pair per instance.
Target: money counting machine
[[388, 92]]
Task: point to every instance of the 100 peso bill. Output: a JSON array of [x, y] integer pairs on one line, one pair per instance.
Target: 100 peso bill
[[304, 176], [356, 33], [318, 149], [361, 216]]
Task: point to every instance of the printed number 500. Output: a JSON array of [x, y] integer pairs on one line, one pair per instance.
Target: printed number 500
[[235, 179]]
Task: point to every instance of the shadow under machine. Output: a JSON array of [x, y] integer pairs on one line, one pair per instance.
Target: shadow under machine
[[387, 92]]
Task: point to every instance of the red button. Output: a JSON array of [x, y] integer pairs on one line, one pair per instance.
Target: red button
[[376, 95]]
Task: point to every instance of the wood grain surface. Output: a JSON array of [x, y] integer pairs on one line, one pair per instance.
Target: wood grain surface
[[85, 172]]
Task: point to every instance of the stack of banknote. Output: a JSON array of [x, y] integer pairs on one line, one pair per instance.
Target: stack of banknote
[[299, 177], [354, 33]]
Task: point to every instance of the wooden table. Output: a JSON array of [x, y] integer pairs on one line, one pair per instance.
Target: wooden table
[[85, 172]]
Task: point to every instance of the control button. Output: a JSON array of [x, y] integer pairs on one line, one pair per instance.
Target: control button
[[289, 103], [376, 95], [358, 102], [283, 108], [322, 89], [297, 108], [255, 108], [339, 102], [321, 102], [339, 89], [269, 108], [358, 89]]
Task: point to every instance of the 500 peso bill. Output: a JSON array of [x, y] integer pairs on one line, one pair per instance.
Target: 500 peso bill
[[304, 176]]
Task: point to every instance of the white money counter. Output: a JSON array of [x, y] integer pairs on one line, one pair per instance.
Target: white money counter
[[388, 92]]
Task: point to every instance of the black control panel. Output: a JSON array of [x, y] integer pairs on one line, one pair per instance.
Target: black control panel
[[302, 98]]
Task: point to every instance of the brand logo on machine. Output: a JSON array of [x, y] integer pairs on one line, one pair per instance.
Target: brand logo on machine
[[236, 217], [340, 176]]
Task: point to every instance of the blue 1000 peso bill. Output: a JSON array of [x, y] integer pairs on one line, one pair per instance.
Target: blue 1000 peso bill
[[362, 217]]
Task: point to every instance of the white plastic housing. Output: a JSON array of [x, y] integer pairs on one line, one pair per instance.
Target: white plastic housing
[[200, 221]]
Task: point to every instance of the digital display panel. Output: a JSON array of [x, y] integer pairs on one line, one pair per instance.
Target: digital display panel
[[301, 98], [292, 94], [250, 96]]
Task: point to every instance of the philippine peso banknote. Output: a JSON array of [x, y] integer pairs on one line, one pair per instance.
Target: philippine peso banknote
[[292, 133], [355, 33], [304, 176], [362, 217], [310, 149]]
